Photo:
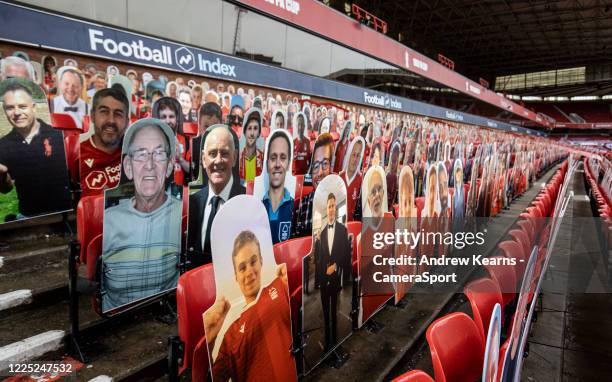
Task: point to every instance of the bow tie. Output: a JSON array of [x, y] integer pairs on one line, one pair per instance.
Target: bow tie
[[330, 226], [71, 108]]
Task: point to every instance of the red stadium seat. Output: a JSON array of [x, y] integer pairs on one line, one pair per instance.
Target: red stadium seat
[[66, 123], [521, 237], [483, 294], [299, 185], [457, 349], [265, 131], [502, 354], [94, 250], [420, 204], [414, 376], [195, 293], [505, 277], [90, 216], [200, 364], [71, 144], [354, 229], [514, 250], [528, 228], [250, 187], [292, 253], [190, 129], [86, 121]]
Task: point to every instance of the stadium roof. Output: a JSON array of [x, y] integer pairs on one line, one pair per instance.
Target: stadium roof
[[488, 38]]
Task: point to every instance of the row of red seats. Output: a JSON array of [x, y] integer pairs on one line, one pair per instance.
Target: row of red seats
[[602, 206], [456, 341]]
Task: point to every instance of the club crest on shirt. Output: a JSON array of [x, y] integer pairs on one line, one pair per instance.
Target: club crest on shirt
[[242, 327], [284, 228], [48, 148], [273, 293]]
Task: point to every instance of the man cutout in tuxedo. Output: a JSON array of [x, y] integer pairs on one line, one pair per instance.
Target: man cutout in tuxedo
[[332, 264]]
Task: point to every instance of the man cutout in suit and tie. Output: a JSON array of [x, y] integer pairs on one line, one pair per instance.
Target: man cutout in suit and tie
[[218, 158], [333, 263]]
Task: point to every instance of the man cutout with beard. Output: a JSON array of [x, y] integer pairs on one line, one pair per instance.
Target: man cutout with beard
[[100, 157]]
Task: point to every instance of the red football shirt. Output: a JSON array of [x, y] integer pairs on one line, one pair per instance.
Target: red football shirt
[[301, 155], [353, 192], [257, 346], [98, 169]]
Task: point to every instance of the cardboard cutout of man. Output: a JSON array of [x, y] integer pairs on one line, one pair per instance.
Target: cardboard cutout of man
[[352, 175], [142, 233], [218, 158], [301, 144], [279, 120], [376, 220], [32, 158], [100, 152], [248, 328], [332, 253], [251, 144], [276, 186], [70, 90], [406, 221]]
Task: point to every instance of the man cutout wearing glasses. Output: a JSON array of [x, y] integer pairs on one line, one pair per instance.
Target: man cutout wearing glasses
[[319, 169], [142, 234]]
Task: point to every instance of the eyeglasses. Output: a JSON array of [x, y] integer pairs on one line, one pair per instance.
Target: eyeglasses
[[143, 155], [376, 190], [321, 165]]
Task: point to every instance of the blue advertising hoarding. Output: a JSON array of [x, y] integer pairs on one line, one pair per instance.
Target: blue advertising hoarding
[[47, 30]]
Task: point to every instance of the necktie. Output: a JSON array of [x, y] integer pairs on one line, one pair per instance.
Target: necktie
[[214, 205], [69, 109]]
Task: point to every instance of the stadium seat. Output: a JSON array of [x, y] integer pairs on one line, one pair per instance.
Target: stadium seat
[[90, 216], [292, 253], [200, 363], [505, 277], [66, 123], [521, 237], [86, 122], [299, 185], [94, 250], [265, 131], [514, 250], [250, 187], [354, 229], [483, 294], [420, 204], [190, 129], [528, 228], [195, 293], [457, 349], [414, 376], [71, 144]]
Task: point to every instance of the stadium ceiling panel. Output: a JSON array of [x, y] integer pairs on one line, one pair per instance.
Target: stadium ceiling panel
[[490, 38]]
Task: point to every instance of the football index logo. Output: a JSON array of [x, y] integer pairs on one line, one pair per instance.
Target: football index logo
[[185, 59]]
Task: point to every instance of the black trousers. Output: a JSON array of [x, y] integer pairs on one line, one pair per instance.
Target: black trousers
[[329, 299]]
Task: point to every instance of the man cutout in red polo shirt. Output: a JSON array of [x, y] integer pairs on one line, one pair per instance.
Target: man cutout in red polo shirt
[[258, 344], [100, 154]]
